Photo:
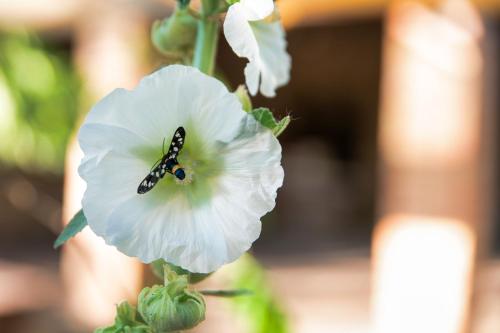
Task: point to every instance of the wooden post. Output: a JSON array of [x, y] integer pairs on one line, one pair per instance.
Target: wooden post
[[431, 199], [109, 41]]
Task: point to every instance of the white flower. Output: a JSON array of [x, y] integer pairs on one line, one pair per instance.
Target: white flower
[[233, 164], [261, 42]]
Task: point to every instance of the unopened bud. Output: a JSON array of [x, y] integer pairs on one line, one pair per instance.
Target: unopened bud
[[175, 36], [171, 307], [242, 94]]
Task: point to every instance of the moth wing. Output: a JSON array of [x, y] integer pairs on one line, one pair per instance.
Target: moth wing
[[177, 143], [147, 183]]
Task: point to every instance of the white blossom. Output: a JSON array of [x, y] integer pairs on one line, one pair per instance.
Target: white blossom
[[262, 42], [233, 167]]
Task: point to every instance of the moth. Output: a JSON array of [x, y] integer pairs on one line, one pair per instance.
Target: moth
[[167, 164]]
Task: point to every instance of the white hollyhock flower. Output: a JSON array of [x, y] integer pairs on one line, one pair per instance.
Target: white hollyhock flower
[[263, 43], [232, 167]]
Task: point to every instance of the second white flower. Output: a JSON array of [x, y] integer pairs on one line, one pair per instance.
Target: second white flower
[[263, 43]]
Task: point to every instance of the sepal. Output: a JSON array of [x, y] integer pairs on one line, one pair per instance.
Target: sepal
[[265, 117], [77, 223], [126, 321]]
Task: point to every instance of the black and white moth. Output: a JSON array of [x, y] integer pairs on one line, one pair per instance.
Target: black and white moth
[[168, 163]]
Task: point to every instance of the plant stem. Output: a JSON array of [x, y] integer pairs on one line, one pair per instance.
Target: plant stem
[[206, 38]]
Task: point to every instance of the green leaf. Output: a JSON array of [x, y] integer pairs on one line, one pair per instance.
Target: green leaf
[[266, 118], [77, 223], [226, 293], [263, 312]]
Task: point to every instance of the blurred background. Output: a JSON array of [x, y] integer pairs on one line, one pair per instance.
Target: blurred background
[[395, 106]]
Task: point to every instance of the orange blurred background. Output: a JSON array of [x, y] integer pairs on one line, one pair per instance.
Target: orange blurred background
[[395, 107]]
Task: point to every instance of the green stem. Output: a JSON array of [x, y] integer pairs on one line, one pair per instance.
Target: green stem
[[206, 38]]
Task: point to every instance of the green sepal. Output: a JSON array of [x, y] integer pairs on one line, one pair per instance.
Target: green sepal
[[232, 2], [77, 223], [157, 267], [281, 126], [265, 117], [227, 293], [127, 320]]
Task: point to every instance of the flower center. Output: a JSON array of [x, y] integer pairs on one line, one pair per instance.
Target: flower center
[[200, 162]]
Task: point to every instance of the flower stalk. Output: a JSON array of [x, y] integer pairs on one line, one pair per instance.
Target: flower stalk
[[207, 37]]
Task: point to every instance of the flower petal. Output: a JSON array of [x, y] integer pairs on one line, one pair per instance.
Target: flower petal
[[263, 44], [96, 140], [174, 232], [110, 182], [252, 76], [256, 9], [151, 110], [239, 34], [253, 163], [276, 62]]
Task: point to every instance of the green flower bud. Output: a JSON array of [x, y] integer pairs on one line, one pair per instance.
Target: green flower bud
[[171, 307], [126, 321], [157, 268], [175, 36]]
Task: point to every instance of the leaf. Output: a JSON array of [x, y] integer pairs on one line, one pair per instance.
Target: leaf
[[77, 223], [266, 118], [263, 311], [227, 293]]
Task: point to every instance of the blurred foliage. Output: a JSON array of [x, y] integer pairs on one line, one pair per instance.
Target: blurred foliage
[[261, 309], [38, 102]]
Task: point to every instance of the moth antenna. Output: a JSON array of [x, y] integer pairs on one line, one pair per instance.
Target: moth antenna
[[163, 147], [156, 164]]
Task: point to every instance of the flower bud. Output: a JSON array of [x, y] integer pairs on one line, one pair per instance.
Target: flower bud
[[175, 36], [171, 307], [126, 321], [242, 94]]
